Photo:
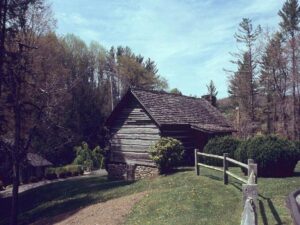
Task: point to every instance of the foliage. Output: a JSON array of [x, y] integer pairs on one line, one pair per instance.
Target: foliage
[[166, 153], [90, 159], [211, 89], [175, 91], [275, 157], [63, 171], [218, 146]]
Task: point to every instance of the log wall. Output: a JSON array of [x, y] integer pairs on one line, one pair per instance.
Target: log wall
[[133, 132]]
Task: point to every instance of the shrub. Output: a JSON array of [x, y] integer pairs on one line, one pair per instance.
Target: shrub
[[61, 172], [74, 170], [90, 159], [297, 143], [219, 146], [166, 154], [275, 157]]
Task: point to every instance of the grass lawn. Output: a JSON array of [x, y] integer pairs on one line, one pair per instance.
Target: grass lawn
[[181, 198]]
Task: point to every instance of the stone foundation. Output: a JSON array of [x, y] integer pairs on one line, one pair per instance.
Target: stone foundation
[[145, 171], [123, 171]]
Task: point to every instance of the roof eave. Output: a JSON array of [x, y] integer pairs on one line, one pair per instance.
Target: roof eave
[[213, 131]]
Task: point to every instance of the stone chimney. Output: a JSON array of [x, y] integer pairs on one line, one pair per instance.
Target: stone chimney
[[210, 98]]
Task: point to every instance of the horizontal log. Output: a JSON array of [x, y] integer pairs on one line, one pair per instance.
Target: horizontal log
[[210, 167], [134, 126], [136, 136], [132, 158], [210, 155], [136, 131], [132, 141], [133, 117], [136, 155], [237, 163], [236, 177], [135, 148]]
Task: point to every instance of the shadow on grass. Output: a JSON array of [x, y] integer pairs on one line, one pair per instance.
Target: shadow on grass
[[262, 208], [214, 177], [272, 209], [61, 197]]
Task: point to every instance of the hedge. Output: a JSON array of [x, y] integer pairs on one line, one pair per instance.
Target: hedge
[[219, 146], [275, 157], [63, 172]]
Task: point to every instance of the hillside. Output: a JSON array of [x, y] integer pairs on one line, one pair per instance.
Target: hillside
[[180, 198]]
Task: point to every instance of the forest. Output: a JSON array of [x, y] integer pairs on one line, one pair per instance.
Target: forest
[[264, 91]]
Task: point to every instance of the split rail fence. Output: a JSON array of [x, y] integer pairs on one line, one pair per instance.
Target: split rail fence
[[249, 186]]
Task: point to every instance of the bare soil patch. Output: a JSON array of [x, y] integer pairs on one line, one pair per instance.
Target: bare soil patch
[[111, 212]]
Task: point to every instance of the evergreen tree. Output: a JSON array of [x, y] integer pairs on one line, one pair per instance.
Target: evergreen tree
[[243, 82]]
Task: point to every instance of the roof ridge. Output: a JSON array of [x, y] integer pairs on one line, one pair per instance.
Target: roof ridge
[[163, 92]]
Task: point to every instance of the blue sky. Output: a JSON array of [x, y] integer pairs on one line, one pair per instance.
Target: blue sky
[[190, 40]]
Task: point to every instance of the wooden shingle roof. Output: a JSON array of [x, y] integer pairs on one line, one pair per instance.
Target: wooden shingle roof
[[36, 160], [173, 109]]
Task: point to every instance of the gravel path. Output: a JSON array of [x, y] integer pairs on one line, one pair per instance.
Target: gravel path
[[112, 212], [8, 191]]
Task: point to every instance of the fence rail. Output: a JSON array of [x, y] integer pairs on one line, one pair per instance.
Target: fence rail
[[249, 188], [251, 167]]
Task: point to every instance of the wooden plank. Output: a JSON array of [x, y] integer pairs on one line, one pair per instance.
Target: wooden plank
[[237, 162], [132, 141], [236, 177], [131, 157], [210, 167], [136, 155], [136, 131], [210, 155], [133, 117], [135, 148], [136, 136]]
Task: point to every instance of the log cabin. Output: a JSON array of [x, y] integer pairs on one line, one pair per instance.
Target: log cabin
[[142, 117]]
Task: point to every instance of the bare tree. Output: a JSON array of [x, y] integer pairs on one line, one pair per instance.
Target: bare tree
[[290, 15]]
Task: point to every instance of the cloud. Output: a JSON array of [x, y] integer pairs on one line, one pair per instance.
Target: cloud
[[189, 39]]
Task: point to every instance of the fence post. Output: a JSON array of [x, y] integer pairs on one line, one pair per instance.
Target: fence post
[[250, 192], [197, 169], [252, 167], [225, 168]]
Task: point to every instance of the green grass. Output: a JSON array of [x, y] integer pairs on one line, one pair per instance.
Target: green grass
[[180, 198]]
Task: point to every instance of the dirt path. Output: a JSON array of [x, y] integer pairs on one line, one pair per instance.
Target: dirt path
[[112, 212]]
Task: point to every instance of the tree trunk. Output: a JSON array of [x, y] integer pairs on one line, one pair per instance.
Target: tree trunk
[[16, 154], [3, 11], [15, 194], [294, 75]]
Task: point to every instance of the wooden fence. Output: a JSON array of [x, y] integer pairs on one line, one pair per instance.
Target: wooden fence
[[249, 187]]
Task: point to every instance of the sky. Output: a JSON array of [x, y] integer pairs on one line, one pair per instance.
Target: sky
[[190, 40]]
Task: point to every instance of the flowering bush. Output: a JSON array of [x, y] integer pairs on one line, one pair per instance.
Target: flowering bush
[[166, 153]]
